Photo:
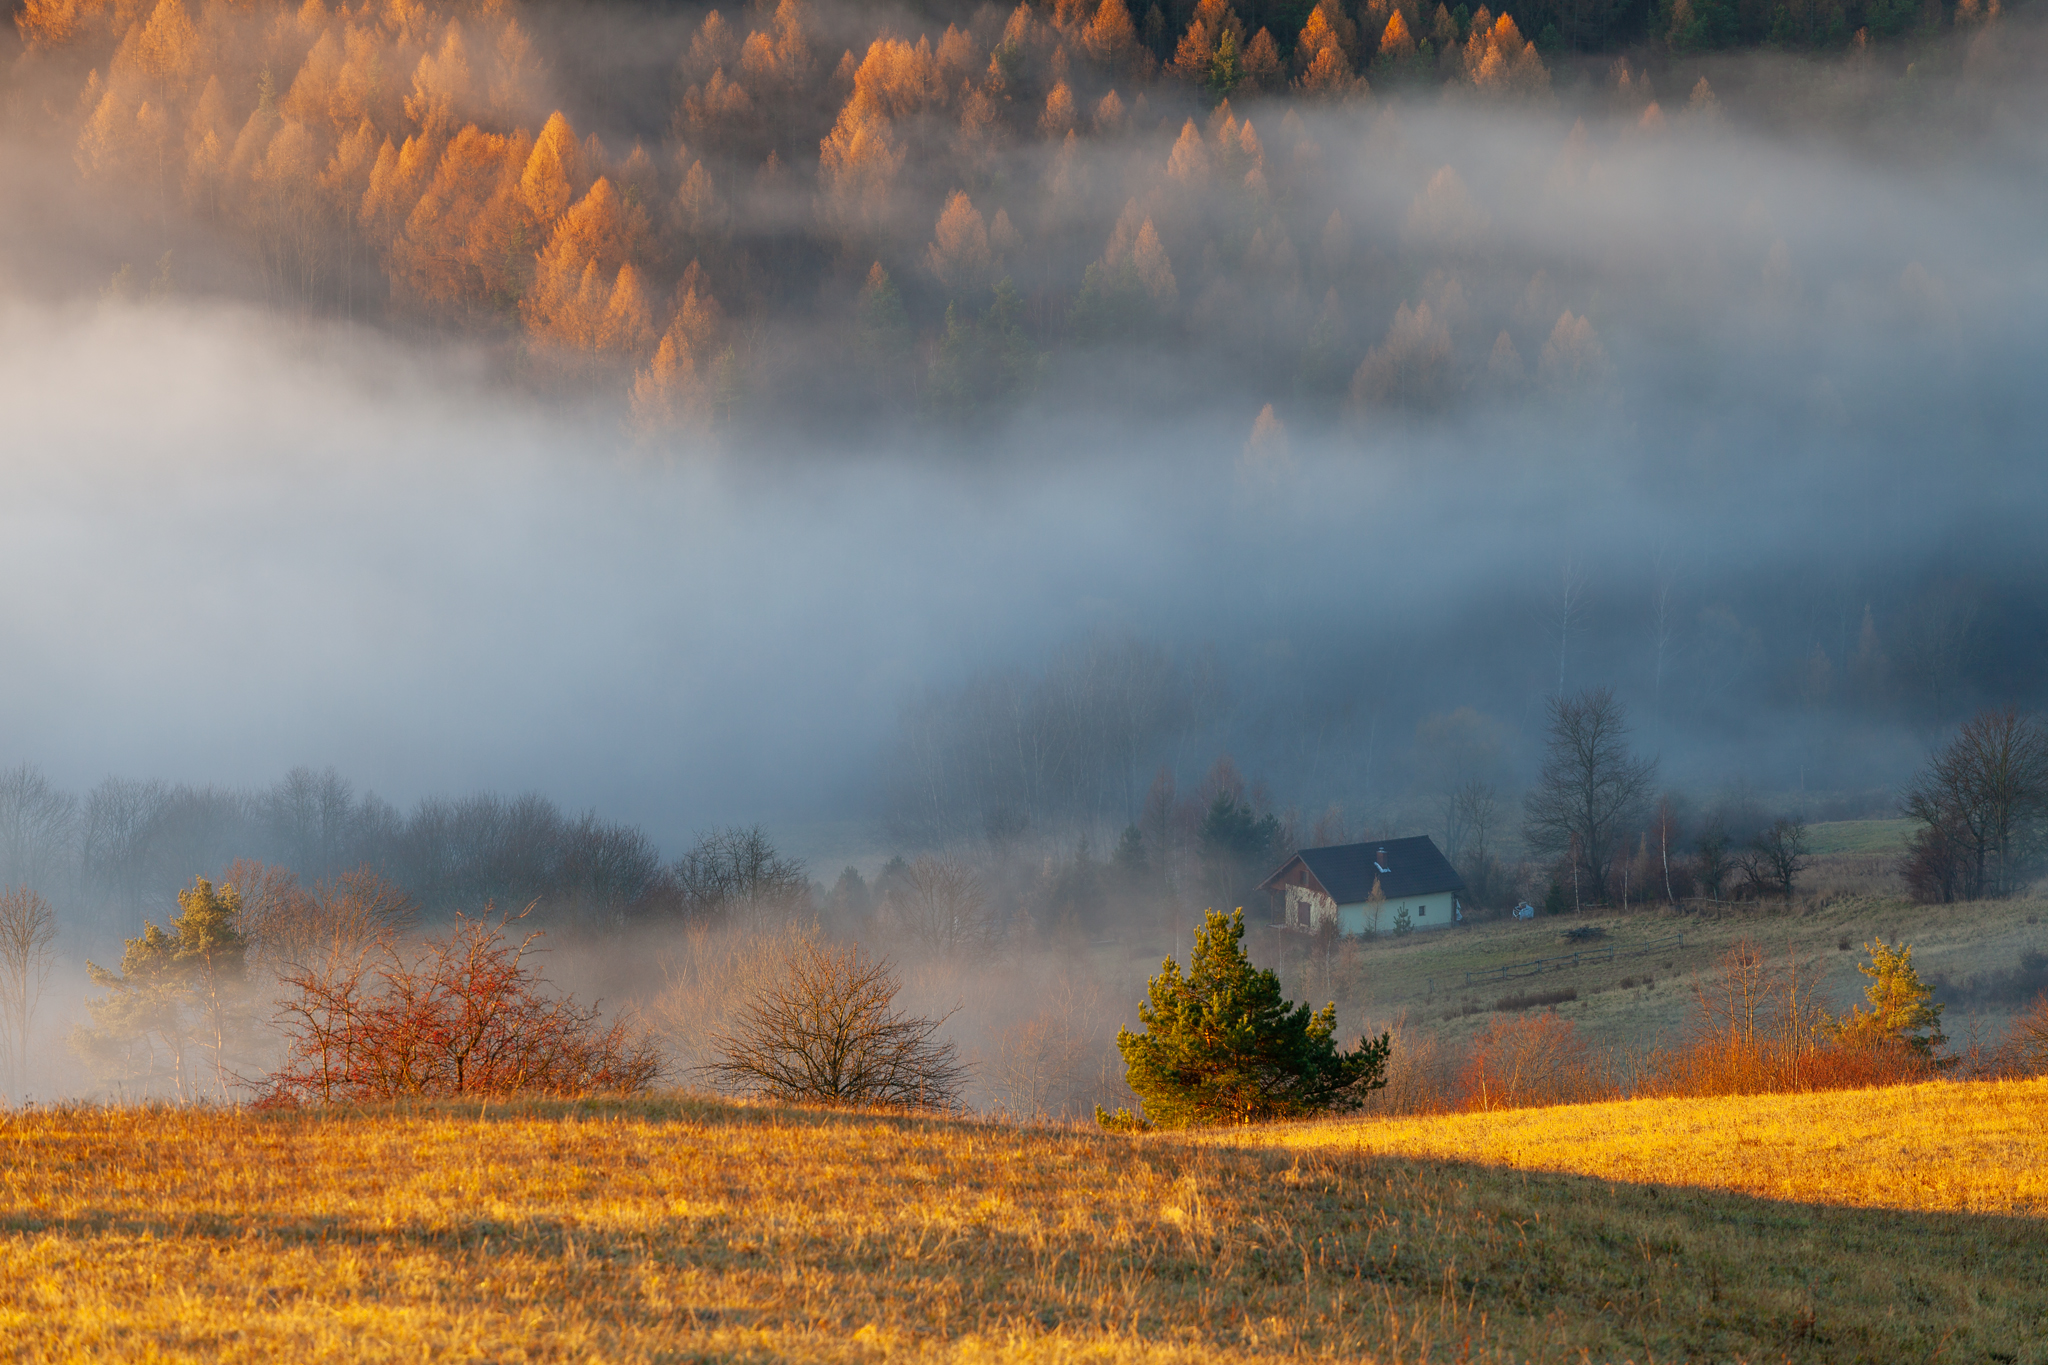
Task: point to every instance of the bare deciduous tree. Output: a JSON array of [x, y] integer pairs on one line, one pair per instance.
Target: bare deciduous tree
[[1712, 865], [1664, 826], [1474, 809], [1072, 742], [38, 825], [114, 843], [822, 1029], [1460, 757], [1590, 787], [28, 934], [736, 873], [312, 820], [1986, 793], [1777, 855], [290, 927], [709, 971], [1041, 1063], [942, 907]]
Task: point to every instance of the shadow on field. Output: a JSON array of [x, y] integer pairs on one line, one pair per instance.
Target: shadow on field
[[646, 1227]]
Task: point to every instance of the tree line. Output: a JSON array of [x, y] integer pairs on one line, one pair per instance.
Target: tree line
[[1980, 803], [127, 846]]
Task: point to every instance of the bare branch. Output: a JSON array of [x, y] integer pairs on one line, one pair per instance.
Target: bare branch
[[822, 1030]]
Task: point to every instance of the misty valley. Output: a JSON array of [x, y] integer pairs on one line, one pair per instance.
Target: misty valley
[[1092, 679]]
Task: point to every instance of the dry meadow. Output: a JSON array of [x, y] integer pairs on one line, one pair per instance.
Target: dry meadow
[[684, 1229], [1949, 1147]]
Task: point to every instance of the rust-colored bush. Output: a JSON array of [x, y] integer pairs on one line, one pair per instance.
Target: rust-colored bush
[[464, 1013], [1533, 1060], [1757, 1030], [2026, 1048], [1725, 1066]]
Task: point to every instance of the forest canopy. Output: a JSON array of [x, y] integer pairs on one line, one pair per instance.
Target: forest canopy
[[937, 212]]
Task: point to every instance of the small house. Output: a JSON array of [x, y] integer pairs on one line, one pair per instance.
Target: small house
[[1365, 888]]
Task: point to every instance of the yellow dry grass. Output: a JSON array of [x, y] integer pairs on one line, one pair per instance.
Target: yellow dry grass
[[1965, 1147], [676, 1228]]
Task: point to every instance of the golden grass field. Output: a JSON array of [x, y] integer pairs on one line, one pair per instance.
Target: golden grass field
[[677, 1228], [1952, 1147]]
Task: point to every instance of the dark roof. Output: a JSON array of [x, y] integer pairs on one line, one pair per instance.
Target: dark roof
[[1404, 867]]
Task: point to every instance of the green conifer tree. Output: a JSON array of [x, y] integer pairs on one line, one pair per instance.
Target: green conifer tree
[[1221, 1044], [178, 989], [1901, 1008], [984, 364], [1131, 858], [1223, 68]]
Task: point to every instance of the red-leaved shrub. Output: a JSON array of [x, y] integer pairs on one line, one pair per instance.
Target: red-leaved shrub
[[460, 1014], [1528, 1061]]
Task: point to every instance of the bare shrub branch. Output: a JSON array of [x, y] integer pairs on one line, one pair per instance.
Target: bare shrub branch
[[822, 1029], [290, 927], [461, 1014], [2028, 1043]]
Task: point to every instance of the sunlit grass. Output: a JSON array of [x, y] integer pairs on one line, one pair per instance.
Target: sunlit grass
[[676, 1228], [1977, 1147]]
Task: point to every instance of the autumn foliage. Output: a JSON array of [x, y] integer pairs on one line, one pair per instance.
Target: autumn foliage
[[406, 158], [462, 1013]]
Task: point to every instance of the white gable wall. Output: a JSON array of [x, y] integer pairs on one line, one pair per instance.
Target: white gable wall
[[1424, 912]]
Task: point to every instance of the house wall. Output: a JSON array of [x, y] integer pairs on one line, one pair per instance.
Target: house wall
[[1321, 907], [1424, 912]]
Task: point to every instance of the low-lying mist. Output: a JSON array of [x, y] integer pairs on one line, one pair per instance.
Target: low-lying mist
[[1078, 448]]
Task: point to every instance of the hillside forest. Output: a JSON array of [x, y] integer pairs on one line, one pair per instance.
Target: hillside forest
[[895, 215]]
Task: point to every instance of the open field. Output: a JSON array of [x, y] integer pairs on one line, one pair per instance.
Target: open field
[[683, 1229], [1643, 993], [1860, 836], [1972, 1147]]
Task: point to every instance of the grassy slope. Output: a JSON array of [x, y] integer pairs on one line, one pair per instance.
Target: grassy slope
[[1860, 836], [680, 1229], [1423, 975]]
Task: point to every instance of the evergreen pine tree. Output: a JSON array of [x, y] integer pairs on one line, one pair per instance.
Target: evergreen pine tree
[[181, 988], [1221, 1044], [1131, 858], [1901, 1007]]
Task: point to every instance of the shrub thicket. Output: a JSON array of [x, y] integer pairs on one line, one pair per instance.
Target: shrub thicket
[[462, 1013], [822, 1028]]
